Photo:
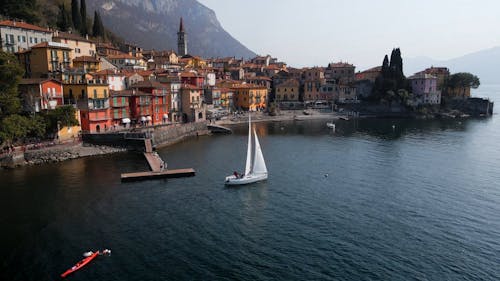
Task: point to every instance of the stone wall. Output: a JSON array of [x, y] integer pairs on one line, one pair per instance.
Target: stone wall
[[56, 154], [163, 136]]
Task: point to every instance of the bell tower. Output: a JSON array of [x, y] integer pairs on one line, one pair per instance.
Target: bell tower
[[181, 41]]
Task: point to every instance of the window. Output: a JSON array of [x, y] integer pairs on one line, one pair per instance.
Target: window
[[115, 101], [31, 40], [77, 50], [9, 38], [36, 40], [105, 93], [95, 94], [41, 40]]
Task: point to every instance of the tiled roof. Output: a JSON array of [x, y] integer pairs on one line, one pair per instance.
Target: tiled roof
[[121, 56], [189, 86], [20, 24], [148, 84], [70, 36], [86, 59], [54, 45], [339, 64], [421, 75], [109, 72]]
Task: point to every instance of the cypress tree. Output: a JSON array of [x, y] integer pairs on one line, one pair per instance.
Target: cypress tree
[[83, 14], [75, 15], [97, 28], [63, 19], [385, 66]]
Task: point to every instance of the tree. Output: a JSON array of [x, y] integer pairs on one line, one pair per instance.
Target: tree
[[20, 9], [13, 127], [11, 75], [75, 15], [463, 81], [83, 14], [98, 27], [63, 19], [62, 116]]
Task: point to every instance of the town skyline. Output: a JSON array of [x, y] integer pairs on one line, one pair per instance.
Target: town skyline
[[451, 29]]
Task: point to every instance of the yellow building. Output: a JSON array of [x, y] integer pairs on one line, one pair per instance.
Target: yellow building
[[80, 45], [83, 90], [45, 59], [249, 97], [193, 61], [288, 91], [87, 63]]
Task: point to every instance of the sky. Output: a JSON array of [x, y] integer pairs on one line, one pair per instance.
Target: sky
[[316, 32]]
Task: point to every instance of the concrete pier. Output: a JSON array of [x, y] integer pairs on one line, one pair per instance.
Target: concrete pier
[[157, 166]]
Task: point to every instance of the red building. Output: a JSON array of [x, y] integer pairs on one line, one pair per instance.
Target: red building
[[160, 100], [120, 108], [192, 78], [141, 107], [41, 94]]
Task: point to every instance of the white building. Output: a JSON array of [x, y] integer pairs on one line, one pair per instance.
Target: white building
[[16, 36]]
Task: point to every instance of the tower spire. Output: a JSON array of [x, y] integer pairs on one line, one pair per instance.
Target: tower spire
[[181, 40], [181, 26]]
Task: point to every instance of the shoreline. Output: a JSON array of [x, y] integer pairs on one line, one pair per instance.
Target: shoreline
[[288, 115]]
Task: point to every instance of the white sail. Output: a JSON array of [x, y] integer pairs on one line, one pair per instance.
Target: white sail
[[259, 165], [248, 167]]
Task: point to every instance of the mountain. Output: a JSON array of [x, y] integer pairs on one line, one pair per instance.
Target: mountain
[[483, 64], [154, 24]]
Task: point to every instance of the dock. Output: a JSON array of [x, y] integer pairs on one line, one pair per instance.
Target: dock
[[218, 129], [158, 168]]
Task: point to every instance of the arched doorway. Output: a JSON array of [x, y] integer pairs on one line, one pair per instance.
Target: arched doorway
[[98, 128], [200, 115]]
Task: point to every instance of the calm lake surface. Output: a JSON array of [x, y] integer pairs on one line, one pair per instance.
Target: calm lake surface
[[417, 202]]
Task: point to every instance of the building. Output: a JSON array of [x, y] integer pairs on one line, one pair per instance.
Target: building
[[120, 108], [174, 84], [182, 41], [126, 61], [249, 97], [141, 107], [160, 100], [106, 49], [16, 36], [192, 78], [424, 89], [340, 73], [46, 59], [441, 73], [287, 91], [369, 74], [314, 79], [193, 108], [115, 79], [87, 63], [92, 99], [81, 46], [40, 94]]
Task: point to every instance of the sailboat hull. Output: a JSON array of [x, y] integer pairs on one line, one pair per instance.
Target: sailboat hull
[[232, 180]]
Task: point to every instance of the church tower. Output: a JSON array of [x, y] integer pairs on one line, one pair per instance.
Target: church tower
[[181, 41]]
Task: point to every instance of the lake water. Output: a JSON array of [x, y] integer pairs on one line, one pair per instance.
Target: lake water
[[417, 202]]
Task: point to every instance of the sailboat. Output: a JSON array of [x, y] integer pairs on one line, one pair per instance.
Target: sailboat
[[255, 169]]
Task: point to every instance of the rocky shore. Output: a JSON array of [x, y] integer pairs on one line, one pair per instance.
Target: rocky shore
[[54, 154]]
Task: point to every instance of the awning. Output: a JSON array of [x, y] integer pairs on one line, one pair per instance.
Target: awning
[[143, 119], [165, 116], [125, 120], [149, 118]]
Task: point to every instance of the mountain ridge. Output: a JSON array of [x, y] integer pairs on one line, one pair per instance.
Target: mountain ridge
[[482, 63], [156, 22]]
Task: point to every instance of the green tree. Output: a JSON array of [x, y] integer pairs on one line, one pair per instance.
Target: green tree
[[63, 19], [83, 14], [463, 81], [62, 116], [98, 27], [11, 73], [75, 15], [14, 127], [20, 9]]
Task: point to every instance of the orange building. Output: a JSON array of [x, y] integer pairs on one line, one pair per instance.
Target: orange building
[[249, 97], [40, 94], [45, 59]]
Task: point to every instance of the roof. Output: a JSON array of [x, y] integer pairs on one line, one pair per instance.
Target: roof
[[189, 86], [54, 45], [289, 83], [109, 72], [373, 69], [128, 93], [421, 76], [148, 84], [339, 64], [21, 24], [86, 59], [36, 81], [70, 36], [248, 86], [121, 56]]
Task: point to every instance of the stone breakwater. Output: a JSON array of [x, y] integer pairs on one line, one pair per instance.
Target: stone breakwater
[[56, 154]]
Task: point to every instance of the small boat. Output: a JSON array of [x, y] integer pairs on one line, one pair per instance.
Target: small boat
[[89, 256], [330, 125], [255, 170], [345, 118]]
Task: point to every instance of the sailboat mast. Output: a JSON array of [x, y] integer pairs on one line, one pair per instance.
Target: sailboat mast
[[249, 147]]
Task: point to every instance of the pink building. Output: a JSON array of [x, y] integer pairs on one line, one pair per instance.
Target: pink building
[[424, 89]]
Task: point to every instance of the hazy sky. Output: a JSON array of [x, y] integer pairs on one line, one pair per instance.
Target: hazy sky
[[315, 32]]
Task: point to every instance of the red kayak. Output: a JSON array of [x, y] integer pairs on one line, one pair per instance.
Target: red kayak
[[80, 264]]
